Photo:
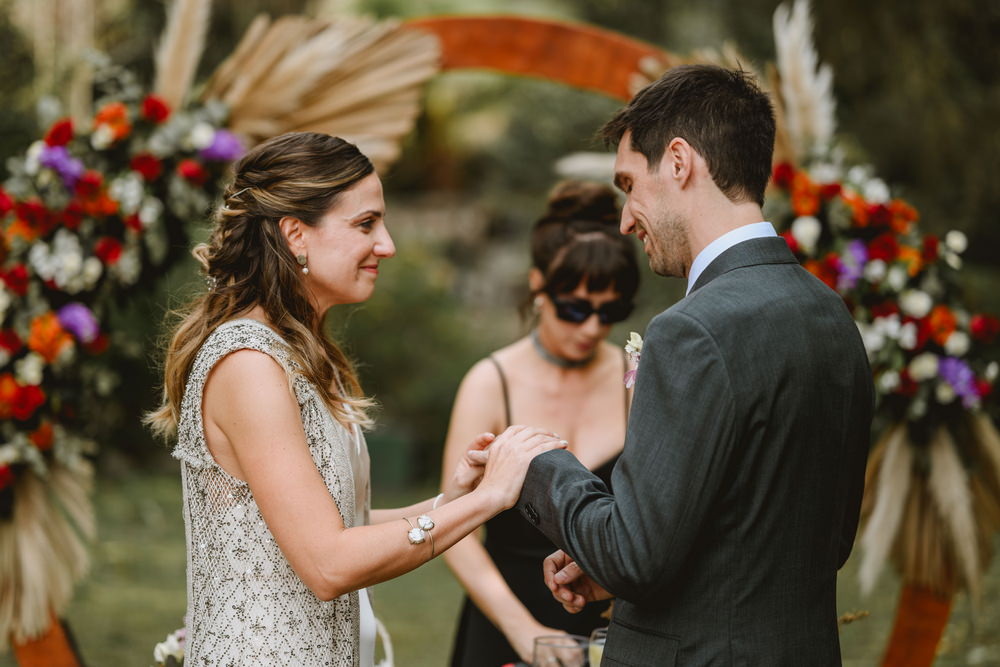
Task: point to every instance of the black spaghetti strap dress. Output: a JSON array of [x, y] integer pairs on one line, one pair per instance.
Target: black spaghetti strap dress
[[518, 549]]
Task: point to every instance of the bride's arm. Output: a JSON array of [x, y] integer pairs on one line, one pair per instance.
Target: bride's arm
[[249, 402]]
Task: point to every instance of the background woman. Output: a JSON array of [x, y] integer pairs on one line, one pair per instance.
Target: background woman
[[268, 414], [564, 377]]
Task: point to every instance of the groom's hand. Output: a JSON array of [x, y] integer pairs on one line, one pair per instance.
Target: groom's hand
[[570, 585]]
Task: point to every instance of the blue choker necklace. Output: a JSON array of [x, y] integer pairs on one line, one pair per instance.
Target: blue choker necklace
[[555, 360]]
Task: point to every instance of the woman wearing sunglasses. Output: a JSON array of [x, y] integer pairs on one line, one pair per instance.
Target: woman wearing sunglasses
[[563, 376]]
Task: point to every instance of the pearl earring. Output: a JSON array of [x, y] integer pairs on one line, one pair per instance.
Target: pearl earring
[[301, 259]]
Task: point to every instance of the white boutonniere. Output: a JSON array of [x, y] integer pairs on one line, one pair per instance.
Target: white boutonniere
[[633, 350]]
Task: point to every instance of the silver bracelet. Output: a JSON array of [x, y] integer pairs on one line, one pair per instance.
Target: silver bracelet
[[423, 530], [437, 499]]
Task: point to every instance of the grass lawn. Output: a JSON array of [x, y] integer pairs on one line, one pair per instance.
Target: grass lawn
[[135, 594]]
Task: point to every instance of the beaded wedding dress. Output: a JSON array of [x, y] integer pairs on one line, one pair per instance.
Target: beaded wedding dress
[[246, 606]]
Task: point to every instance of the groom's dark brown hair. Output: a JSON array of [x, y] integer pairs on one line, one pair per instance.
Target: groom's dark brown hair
[[722, 113]]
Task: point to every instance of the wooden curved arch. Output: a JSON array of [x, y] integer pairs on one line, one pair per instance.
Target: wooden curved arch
[[578, 55]]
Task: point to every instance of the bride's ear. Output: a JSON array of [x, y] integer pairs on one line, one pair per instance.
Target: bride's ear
[[291, 229], [536, 281]]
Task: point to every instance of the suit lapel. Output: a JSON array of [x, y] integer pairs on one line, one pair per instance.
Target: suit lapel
[[753, 252]]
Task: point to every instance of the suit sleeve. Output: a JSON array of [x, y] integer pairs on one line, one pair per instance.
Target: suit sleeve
[[680, 437]]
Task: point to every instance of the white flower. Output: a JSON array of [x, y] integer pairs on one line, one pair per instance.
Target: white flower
[[944, 393], [875, 270], [634, 343], [4, 301], [915, 303], [872, 337], [32, 158], [105, 382], [953, 260], [908, 336], [824, 172], [956, 241], [201, 135], [102, 137], [172, 646], [29, 369], [924, 366], [92, 270], [992, 370], [888, 381], [128, 191], [806, 230], [957, 344], [8, 454], [150, 211], [876, 191], [897, 278]]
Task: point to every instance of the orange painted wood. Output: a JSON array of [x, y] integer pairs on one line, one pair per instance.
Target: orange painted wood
[[920, 621], [53, 649], [579, 55]]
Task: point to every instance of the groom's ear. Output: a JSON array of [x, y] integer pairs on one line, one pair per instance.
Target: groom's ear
[[678, 160], [536, 281]]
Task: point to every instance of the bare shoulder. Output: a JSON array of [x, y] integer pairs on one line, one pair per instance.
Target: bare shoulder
[[249, 375]]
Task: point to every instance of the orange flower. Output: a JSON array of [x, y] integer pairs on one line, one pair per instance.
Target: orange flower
[[20, 227], [115, 117], [912, 258], [43, 436], [858, 206], [903, 215], [942, 322], [8, 394], [47, 337], [805, 195], [822, 270]]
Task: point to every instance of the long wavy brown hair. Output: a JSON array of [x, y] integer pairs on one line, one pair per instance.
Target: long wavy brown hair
[[247, 263]]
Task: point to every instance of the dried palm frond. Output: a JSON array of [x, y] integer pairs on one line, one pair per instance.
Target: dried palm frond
[[891, 488], [949, 486], [806, 86], [180, 49], [43, 549], [352, 78]]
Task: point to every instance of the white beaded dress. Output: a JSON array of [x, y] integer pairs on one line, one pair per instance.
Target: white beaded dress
[[246, 606]]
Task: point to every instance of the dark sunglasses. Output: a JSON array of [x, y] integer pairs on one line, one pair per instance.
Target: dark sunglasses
[[578, 311]]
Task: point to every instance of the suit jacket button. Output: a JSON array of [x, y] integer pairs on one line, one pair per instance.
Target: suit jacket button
[[532, 515]]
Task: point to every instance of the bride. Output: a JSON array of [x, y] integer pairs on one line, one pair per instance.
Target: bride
[[268, 415]]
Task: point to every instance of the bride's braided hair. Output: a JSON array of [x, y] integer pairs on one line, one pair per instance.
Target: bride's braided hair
[[247, 263]]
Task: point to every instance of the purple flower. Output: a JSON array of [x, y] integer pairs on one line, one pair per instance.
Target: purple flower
[[961, 378], [852, 265], [58, 159], [79, 321], [225, 147]]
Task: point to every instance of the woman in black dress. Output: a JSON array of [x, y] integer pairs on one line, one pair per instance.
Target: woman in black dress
[[564, 376]]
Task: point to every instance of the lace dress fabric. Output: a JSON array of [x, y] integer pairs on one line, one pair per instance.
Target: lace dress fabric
[[246, 606]]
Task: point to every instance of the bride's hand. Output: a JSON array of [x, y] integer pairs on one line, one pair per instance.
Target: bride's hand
[[469, 470], [507, 460]]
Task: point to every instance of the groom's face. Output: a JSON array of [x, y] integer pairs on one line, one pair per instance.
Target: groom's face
[[648, 212]]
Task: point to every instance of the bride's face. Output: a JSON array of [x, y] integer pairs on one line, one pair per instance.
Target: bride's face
[[344, 250]]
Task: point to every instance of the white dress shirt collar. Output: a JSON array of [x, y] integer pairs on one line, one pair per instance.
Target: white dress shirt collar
[[754, 230]]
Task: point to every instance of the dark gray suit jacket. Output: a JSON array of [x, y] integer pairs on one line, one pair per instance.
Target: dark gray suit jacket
[[738, 492]]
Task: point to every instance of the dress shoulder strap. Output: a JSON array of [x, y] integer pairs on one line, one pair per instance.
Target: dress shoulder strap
[[503, 386], [241, 334]]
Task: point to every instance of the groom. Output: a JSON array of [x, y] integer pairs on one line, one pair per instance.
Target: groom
[[736, 498]]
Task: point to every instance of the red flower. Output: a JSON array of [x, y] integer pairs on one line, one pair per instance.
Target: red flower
[[942, 323], [924, 331], [8, 392], [27, 401], [98, 345], [830, 190], [108, 249], [984, 328], [10, 341], [89, 185], [983, 388], [192, 172], [885, 309], [147, 165], [793, 245], [36, 216], [72, 215], [134, 223], [884, 247], [783, 174], [6, 476], [879, 215], [115, 117], [60, 133], [929, 251], [906, 387], [154, 109], [6, 203], [17, 279], [43, 436]]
